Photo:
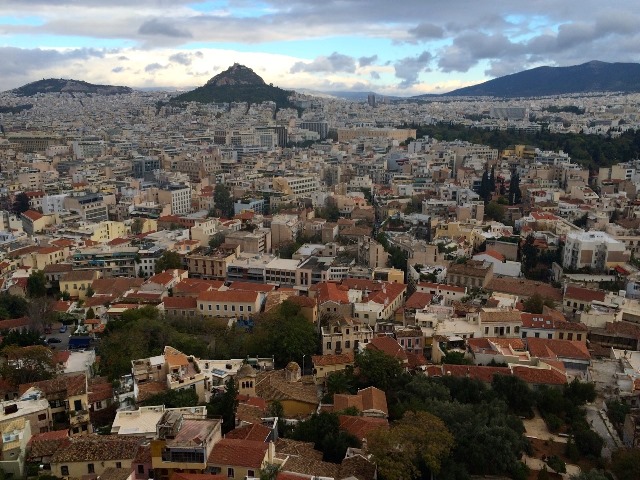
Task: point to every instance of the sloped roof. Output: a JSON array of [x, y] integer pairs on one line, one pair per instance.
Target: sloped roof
[[241, 453], [98, 448]]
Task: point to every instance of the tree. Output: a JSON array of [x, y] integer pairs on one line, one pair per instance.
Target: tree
[[626, 464], [40, 312], [90, 292], [21, 203], [12, 306], [557, 464], [418, 439], [36, 284], [168, 260], [515, 392], [173, 399], [596, 475], [589, 442], [137, 226], [286, 334], [534, 304], [529, 254], [216, 240], [456, 358], [378, 369], [27, 364], [323, 429], [91, 314], [21, 338], [495, 211], [226, 405], [223, 201], [514, 189]]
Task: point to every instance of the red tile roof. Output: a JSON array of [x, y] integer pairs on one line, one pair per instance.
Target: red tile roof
[[324, 360], [240, 453], [557, 349], [360, 427], [418, 300], [539, 376], [254, 432], [331, 292], [584, 294], [389, 346], [32, 215], [229, 296], [185, 303]]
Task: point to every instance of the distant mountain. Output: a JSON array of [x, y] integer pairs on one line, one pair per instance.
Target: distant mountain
[[593, 76], [61, 85], [237, 84]]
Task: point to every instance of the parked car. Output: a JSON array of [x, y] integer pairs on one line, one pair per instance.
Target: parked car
[[63, 328], [53, 340]]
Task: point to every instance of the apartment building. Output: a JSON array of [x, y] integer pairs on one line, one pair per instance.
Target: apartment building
[[91, 207], [212, 265], [595, 250], [345, 335], [178, 197], [295, 185]]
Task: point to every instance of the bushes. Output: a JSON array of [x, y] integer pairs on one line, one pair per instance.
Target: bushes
[[589, 443]]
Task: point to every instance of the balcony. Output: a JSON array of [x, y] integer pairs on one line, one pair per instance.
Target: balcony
[[78, 417]]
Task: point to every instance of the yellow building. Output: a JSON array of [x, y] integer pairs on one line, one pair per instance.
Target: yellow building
[[108, 230], [240, 459], [298, 396], [93, 454], [77, 282]]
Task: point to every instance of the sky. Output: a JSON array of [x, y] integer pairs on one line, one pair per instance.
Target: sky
[[401, 47]]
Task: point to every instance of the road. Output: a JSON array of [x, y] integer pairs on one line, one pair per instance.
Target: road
[[64, 337]]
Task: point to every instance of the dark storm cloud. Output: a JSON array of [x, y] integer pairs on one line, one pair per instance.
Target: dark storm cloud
[[336, 62], [21, 60]]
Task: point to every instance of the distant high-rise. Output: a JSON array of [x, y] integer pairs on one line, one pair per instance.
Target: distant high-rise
[[371, 100]]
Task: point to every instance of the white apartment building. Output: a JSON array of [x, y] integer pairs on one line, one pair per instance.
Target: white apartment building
[[595, 250], [178, 196], [295, 185]]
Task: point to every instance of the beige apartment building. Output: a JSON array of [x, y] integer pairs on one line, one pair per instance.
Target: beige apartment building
[[229, 303], [348, 134], [212, 266]]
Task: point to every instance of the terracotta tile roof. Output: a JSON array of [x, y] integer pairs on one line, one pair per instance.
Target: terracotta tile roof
[[302, 301], [584, 294], [255, 432], [539, 376], [175, 358], [500, 316], [619, 328], [484, 374], [12, 323], [524, 288], [98, 448], [115, 286], [373, 399], [360, 427], [69, 385], [242, 296], [191, 286], [240, 453], [331, 292], [557, 349], [180, 303], [32, 215], [100, 389], [272, 385], [143, 455], [389, 346], [78, 276], [47, 443], [494, 254], [418, 300], [324, 360], [253, 401], [57, 268], [149, 389]]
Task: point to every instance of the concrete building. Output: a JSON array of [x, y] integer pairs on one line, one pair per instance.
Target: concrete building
[[595, 250]]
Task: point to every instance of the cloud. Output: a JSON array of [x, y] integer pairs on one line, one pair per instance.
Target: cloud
[[152, 67], [408, 69], [118, 69], [366, 61], [375, 75], [182, 58], [426, 31], [22, 60], [162, 28], [336, 62]]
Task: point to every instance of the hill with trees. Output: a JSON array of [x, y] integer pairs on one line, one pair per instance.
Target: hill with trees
[[62, 85], [237, 84]]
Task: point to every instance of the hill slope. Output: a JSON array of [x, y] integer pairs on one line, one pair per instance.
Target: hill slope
[[61, 85], [589, 77], [237, 84]]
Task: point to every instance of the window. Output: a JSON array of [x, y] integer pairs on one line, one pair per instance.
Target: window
[[141, 469], [495, 330], [64, 470], [524, 334], [99, 404], [347, 344], [251, 473], [249, 308], [486, 330], [328, 345], [516, 329], [561, 335], [230, 472], [549, 336], [76, 430], [90, 468], [42, 416], [578, 336], [118, 464], [569, 336]]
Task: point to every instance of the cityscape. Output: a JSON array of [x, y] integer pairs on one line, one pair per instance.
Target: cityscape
[[254, 273]]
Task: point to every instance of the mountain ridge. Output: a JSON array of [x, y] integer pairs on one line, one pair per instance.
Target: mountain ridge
[[593, 76]]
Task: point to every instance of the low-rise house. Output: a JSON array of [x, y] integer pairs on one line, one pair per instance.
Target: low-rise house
[[324, 365], [42, 446], [230, 303], [298, 397], [578, 298], [573, 354], [240, 459], [76, 283], [93, 454], [470, 274], [15, 436], [370, 402]]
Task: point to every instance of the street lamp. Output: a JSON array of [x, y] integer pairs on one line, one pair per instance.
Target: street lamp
[[303, 364]]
